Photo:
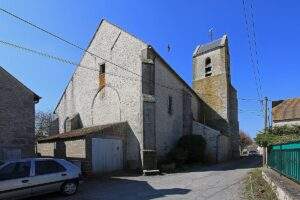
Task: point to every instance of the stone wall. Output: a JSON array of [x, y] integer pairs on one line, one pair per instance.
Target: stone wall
[[234, 123], [79, 149], [211, 136], [72, 150], [289, 123], [217, 145], [224, 148], [218, 95], [185, 105], [76, 148], [16, 118], [46, 149], [213, 91], [121, 98]]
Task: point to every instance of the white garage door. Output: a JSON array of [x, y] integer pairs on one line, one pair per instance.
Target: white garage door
[[107, 155]]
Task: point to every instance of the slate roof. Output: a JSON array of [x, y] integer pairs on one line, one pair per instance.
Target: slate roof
[[200, 49], [286, 110], [79, 133]]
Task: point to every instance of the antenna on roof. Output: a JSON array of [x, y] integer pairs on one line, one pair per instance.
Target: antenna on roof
[[210, 31]]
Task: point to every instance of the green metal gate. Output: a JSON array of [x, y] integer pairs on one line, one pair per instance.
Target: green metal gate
[[285, 158]]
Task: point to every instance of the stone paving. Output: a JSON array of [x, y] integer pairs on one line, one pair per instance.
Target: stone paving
[[217, 182]]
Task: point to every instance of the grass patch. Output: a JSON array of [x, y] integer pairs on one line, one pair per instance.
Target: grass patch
[[256, 188]]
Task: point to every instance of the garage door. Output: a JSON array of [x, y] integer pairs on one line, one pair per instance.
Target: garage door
[[107, 155]]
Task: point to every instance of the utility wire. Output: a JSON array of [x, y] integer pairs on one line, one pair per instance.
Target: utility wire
[[72, 44], [66, 61], [254, 40], [256, 79], [64, 40]]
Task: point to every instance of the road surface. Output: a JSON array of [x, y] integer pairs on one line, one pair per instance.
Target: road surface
[[217, 182]]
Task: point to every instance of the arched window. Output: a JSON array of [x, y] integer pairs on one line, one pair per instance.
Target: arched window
[[207, 61], [67, 125], [208, 67]]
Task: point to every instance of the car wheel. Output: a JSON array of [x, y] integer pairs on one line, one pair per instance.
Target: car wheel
[[69, 188]]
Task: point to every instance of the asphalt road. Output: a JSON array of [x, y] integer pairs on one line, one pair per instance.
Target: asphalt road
[[217, 182]]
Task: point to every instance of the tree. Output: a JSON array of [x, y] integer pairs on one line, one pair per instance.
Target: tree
[[245, 139], [278, 134], [43, 123]]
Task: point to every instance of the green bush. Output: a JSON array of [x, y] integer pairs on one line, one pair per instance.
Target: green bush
[[267, 139], [189, 149], [278, 134], [284, 130]]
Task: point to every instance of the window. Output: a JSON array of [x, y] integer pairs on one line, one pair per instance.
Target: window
[[67, 125], [102, 76], [170, 105], [207, 70], [207, 61], [15, 170], [48, 167], [208, 67], [102, 68]]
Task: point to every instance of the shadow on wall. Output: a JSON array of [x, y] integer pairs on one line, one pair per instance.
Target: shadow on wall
[[60, 149], [212, 119], [133, 160], [118, 188]]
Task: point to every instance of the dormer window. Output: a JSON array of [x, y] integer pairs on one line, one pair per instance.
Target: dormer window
[[208, 67]]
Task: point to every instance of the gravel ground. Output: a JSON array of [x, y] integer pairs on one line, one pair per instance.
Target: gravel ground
[[217, 182]]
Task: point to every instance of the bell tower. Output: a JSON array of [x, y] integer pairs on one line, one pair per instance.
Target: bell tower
[[212, 83]]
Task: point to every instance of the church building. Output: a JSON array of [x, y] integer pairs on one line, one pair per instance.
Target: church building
[[126, 107]]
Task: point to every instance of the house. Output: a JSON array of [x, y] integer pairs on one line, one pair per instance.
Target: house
[[125, 107], [17, 116], [286, 112]]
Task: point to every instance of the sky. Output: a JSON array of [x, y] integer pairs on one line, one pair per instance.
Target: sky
[[180, 24]]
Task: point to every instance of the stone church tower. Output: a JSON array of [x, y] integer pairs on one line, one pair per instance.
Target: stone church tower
[[212, 82]]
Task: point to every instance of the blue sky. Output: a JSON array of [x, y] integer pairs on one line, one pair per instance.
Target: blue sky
[[180, 24]]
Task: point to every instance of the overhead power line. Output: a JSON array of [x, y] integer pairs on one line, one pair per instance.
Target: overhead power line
[[67, 61], [64, 40], [256, 72], [254, 40], [75, 45]]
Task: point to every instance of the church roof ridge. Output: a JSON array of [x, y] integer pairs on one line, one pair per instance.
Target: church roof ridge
[[203, 48]]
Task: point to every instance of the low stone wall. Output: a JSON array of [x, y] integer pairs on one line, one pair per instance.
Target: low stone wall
[[210, 135], [75, 148], [46, 149], [285, 188], [72, 150], [217, 145], [223, 148]]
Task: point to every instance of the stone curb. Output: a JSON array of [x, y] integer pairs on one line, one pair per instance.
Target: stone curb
[[282, 192]]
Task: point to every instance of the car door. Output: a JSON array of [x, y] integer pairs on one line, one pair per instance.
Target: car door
[[48, 177], [15, 179]]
